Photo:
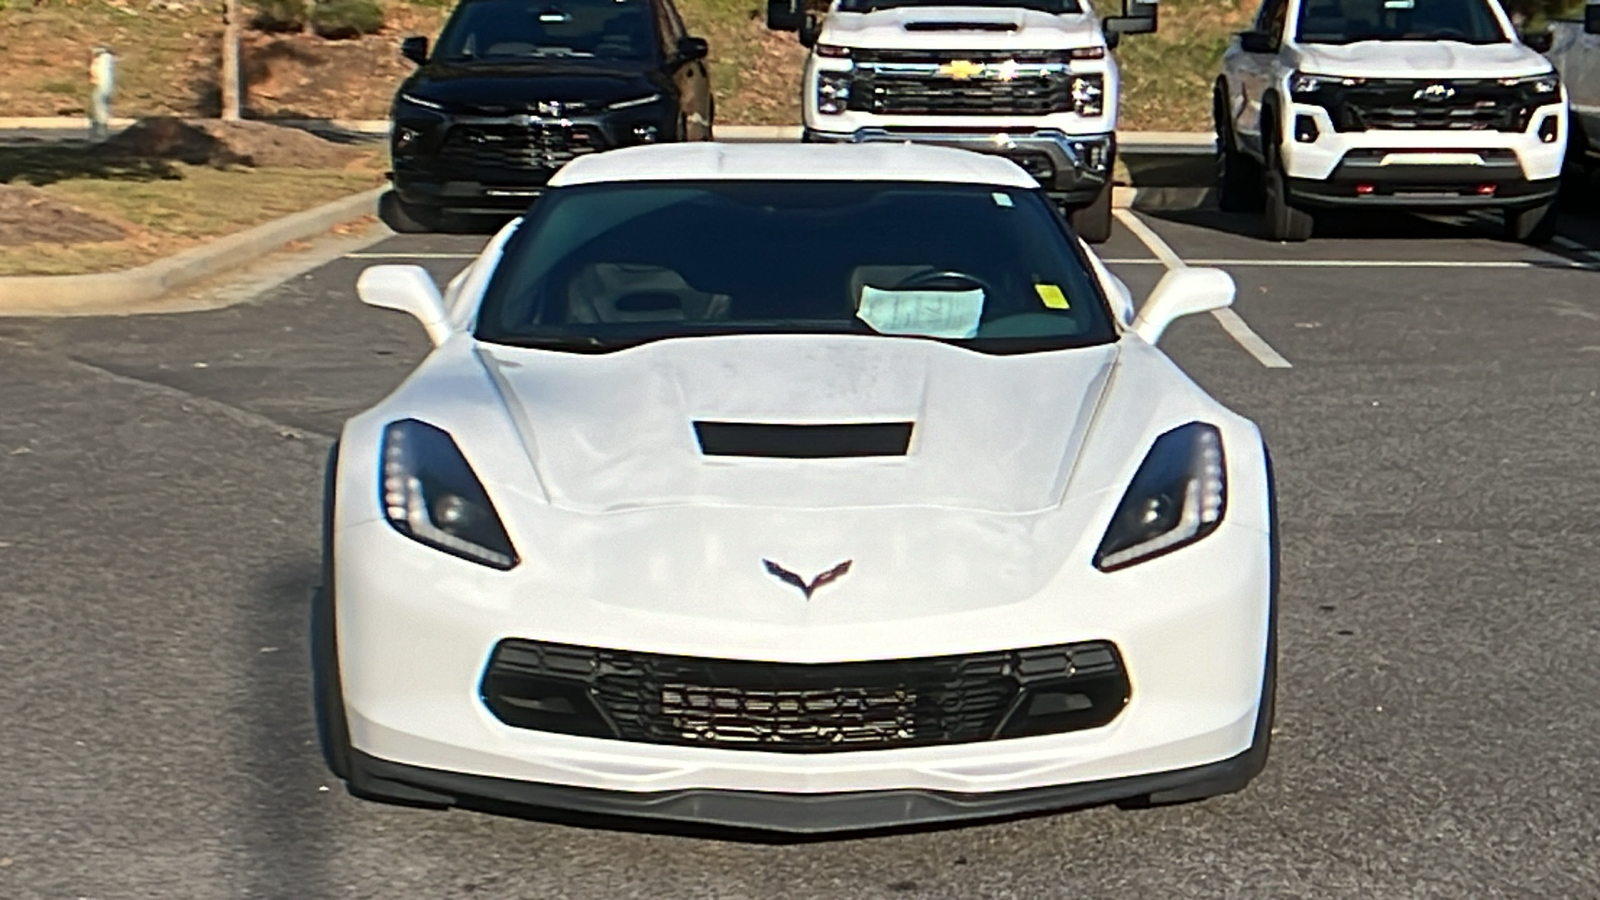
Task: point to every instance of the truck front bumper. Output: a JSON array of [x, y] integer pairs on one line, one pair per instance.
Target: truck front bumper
[[1072, 168]]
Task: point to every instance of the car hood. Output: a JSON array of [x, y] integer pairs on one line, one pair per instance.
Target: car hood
[[617, 431], [493, 88], [1421, 59], [1030, 29]]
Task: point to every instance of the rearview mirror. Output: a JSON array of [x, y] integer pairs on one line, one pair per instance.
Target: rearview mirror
[[785, 15], [1257, 42], [1182, 292], [408, 289], [1539, 41], [415, 48], [693, 48]]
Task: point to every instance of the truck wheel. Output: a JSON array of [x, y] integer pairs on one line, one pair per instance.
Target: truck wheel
[[1093, 222], [407, 218], [1238, 175], [1532, 226], [1280, 221]]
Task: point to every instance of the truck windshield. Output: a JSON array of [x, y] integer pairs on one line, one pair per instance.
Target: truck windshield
[[603, 267], [1054, 7], [504, 30], [1352, 21]]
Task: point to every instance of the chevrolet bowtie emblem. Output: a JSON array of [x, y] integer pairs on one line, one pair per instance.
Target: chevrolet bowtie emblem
[[788, 577], [1435, 92], [962, 69]]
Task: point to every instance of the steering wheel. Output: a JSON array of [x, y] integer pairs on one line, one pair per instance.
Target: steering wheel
[[944, 280]]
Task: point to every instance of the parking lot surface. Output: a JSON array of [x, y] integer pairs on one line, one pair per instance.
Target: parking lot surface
[[1431, 396]]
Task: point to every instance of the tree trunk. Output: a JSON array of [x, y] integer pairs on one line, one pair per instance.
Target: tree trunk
[[231, 81]]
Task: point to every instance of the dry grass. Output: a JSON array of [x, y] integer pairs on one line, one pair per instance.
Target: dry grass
[[164, 208], [1167, 76]]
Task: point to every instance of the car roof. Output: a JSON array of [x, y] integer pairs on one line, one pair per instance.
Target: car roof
[[711, 161]]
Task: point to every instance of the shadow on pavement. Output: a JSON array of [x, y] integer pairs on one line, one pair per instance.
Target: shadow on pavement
[[46, 165]]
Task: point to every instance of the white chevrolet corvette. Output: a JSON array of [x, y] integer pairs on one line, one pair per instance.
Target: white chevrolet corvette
[[795, 487]]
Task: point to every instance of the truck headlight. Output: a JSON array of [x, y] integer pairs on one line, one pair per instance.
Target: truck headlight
[[1303, 86], [1548, 84], [833, 92], [1089, 95], [1177, 497]]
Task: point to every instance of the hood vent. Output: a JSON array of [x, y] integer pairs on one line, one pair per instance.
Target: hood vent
[[961, 26], [775, 441]]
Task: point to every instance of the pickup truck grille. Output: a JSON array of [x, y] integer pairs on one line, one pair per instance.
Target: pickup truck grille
[[962, 82], [1421, 105], [537, 147]]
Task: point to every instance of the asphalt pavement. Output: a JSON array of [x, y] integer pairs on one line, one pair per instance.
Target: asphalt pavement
[[1431, 397]]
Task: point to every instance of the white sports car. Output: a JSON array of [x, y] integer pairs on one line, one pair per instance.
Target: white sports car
[[795, 487]]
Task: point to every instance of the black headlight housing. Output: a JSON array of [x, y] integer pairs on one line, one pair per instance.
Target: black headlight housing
[[1178, 496], [430, 494]]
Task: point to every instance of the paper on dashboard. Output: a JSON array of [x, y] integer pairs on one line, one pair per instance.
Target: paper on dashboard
[[937, 314]]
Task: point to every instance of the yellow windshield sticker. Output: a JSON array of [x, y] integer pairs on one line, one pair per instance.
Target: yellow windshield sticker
[[1052, 296]]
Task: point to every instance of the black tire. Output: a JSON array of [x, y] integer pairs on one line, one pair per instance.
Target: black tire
[[1238, 174], [1533, 226], [1093, 222], [1280, 220], [408, 218], [333, 730]]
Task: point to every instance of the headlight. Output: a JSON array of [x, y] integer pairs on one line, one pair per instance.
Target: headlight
[[833, 51], [1546, 84], [424, 102], [1302, 85], [630, 104], [833, 92], [1088, 95], [430, 495], [1177, 497]]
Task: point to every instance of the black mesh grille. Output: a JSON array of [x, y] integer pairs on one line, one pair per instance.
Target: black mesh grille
[[1418, 105], [791, 707], [472, 148]]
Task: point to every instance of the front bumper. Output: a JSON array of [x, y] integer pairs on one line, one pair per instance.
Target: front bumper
[[1074, 169]]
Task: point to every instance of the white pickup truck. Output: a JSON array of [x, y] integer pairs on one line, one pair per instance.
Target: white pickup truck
[[1423, 105], [1031, 80], [1575, 51]]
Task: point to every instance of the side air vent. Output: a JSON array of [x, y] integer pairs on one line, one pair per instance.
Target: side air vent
[[803, 441], [961, 26]]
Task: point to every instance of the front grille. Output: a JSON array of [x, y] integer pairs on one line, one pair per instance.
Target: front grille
[[517, 147], [912, 95], [794, 707], [1405, 105]]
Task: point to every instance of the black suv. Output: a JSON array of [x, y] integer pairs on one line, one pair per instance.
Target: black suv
[[516, 88]]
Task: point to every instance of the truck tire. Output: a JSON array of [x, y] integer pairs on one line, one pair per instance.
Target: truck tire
[[1093, 222], [407, 218], [1238, 175], [1280, 220], [1533, 226]]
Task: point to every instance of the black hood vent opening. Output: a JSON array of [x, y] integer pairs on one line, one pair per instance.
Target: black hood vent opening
[[961, 26], [775, 441]]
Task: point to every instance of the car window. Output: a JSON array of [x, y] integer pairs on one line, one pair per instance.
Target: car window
[[508, 30], [1350, 21], [601, 267]]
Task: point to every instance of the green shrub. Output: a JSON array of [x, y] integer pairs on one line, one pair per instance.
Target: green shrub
[[280, 16], [345, 19]]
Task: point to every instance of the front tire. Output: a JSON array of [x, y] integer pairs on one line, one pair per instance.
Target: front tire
[[333, 730], [1093, 222], [1533, 226], [1238, 175], [1281, 220], [408, 218]]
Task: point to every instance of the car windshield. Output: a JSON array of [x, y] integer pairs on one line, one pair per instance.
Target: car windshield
[[1055, 7], [1350, 21], [606, 266], [501, 30]]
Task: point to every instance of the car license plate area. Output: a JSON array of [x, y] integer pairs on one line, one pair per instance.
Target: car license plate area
[[846, 715]]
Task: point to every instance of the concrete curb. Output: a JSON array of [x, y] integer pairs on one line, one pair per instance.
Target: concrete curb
[[110, 290]]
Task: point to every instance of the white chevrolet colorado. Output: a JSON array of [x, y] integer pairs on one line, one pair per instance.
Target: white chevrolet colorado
[[1424, 105], [1031, 80]]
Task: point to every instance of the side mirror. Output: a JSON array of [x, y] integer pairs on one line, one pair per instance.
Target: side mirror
[[1138, 17], [1182, 292], [692, 48], [1257, 42], [786, 15], [409, 289], [1591, 19], [415, 48], [1539, 41], [810, 31]]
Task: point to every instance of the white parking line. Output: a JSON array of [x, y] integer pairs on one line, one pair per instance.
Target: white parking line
[[411, 256], [1236, 328]]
